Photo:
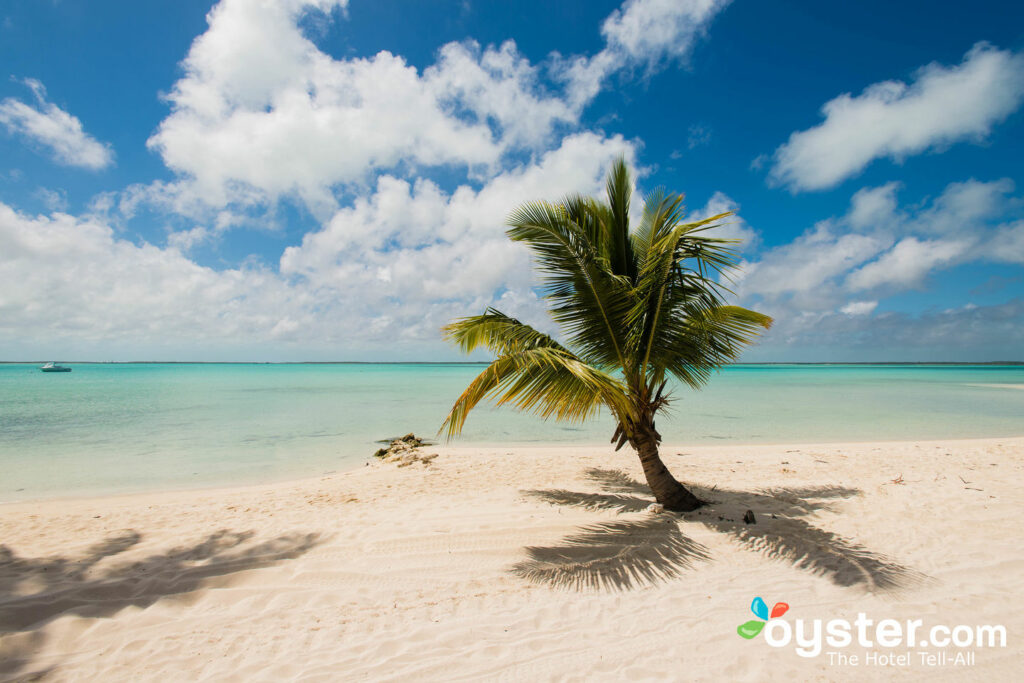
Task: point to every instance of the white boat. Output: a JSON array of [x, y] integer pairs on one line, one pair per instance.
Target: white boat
[[54, 367]]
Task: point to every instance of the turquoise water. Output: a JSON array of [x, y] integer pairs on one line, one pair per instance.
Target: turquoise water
[[135, 427]]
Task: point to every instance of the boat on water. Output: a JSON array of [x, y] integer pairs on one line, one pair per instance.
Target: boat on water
[[55, 367]]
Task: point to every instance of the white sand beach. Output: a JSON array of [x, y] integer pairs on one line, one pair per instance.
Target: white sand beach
[[521, 564]]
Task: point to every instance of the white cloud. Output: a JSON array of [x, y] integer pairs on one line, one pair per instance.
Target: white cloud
[[1006, 245], [501, 86], [964, 207], [262, 109], [262, 113], [955, 228], [53, 200], [879, 245], [391, 269], [429, 246], [815, 286], [641, 32], [893, 119], [83, 291], [859, 307], [186, 240], [648, 31], [48, 125], [809, 263], [77, 278], [733, 227], [872, 208], [966, 333], [907, 263]]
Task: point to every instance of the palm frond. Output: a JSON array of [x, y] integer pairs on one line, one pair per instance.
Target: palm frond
[[548, 381], [660, 210], [588, 300], [498, 333], [676, 275], [619, 189], [701, 340], [593, 219]]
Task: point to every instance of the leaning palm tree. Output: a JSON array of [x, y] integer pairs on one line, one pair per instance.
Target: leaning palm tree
[[635, 307]]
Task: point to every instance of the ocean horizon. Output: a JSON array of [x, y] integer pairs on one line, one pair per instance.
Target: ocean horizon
[[469, 362], [113, 427]]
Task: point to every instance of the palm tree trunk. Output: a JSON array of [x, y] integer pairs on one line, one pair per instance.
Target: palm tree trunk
[[667, 491]]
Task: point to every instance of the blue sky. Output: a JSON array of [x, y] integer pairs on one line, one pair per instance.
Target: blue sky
[[328, 180]]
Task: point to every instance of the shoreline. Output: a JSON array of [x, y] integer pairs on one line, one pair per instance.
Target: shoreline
[[455, 450], [479, 564]]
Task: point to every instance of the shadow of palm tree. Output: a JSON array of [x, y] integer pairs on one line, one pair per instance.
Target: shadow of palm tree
[[781, 534], [624, 555], [35, 590], [614, 555], [616, 502]]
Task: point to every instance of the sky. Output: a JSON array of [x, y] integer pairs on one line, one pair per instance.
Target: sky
[[287, 180]]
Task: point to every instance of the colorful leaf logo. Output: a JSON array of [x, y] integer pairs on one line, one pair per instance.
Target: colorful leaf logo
[[751, 628]]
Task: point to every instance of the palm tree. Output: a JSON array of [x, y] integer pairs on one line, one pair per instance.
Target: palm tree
[[635, 306]]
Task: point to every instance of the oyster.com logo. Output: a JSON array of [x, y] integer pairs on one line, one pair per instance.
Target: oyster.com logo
[[751, 628], [886, 642]]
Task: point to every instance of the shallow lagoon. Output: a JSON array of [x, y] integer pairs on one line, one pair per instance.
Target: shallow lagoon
[[107, 428]]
